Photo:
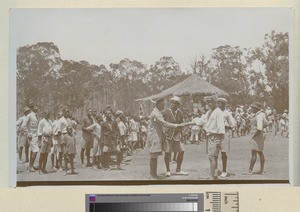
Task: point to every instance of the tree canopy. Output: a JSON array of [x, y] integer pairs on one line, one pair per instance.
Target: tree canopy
[[257, 74]]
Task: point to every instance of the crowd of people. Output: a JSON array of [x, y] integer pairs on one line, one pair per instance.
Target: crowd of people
[[217, 123], [240, 116], [110, 133], [117, 133]]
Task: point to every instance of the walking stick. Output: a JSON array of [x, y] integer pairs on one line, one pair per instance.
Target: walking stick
[[206, 142], [229, 142]]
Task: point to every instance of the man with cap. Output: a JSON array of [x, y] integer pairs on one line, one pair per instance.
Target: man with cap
[[45, 131], [30, 127], [95, 129], [111, 140], [87, 138], [63, 123], [257, 137], [215, 129], [22, 138], [120, 119], [156, 136], [221, 102], [173, 136], [57, 140]]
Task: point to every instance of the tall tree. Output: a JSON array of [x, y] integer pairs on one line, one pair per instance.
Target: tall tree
[[274, 55], [37, 69], [228, 72], [201, 67]]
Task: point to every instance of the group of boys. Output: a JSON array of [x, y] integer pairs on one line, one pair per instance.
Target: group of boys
[[115, 133], [46, 137], [103, 135], [165, 134]]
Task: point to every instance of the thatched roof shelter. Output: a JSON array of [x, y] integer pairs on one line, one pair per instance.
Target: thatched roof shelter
[[193, 85]]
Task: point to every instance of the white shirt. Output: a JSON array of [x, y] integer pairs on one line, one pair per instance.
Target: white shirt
[[55, 127], [199, 122], [45, 127], [20, 121], [30, 124], [229, 120], [216, 122], [63, 123], [96, 128], [122, 128]]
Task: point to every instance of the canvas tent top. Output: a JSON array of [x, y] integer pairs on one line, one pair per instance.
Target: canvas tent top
[[191, 86]]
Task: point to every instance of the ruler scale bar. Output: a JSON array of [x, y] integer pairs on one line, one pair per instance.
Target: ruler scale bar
[[221, 201]]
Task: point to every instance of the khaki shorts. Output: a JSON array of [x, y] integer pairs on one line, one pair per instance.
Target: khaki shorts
[[155, 154], [23, 141], [174, 146], [46, 144], [34, 146], [225, 143], [214, 144], [97, 148], [257, 143], [87, 143]]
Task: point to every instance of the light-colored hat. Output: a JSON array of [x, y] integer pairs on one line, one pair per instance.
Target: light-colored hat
[[158, 100], [223, 100], [285, 110], [26, 109], [210, 98], [257, 105], [176, 99], [119, 112]]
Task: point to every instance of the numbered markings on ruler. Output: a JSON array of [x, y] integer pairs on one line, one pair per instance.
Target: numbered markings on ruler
[[221, 201]]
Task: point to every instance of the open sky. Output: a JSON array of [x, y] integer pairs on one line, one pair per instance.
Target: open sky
[[104, 36]]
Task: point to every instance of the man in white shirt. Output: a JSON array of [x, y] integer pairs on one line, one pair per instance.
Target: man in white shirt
[[257, 137], [63, 123], [215, 128], [57, 140], [22, 138], [45, 132], [225, 142], [29, 127]]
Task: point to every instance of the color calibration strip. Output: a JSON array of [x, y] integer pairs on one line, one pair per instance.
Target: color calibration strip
[[207, 202], [146, 207]]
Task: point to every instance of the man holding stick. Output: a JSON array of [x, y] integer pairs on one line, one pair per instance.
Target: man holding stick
[[225, 143], [156, 136], [215, 128]]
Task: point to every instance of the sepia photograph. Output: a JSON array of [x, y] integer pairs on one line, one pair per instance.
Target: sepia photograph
[[150, 96]]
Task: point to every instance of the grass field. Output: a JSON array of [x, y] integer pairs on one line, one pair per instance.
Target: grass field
[[195, 162]]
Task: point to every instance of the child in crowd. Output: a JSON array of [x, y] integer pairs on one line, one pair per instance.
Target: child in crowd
[[70, 149]]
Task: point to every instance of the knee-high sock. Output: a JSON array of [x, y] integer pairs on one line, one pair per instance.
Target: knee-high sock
[[179, 161], [52, 160], [82, 156], [253, 160], [88, 155], [262, 161], [41, 161], [27, 152], [66, 162], [45, 161], [153, 167], [72, 164], [20, 152], [167, 161], [32, 158], [119, 158], [224, 161], [60, 157]]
